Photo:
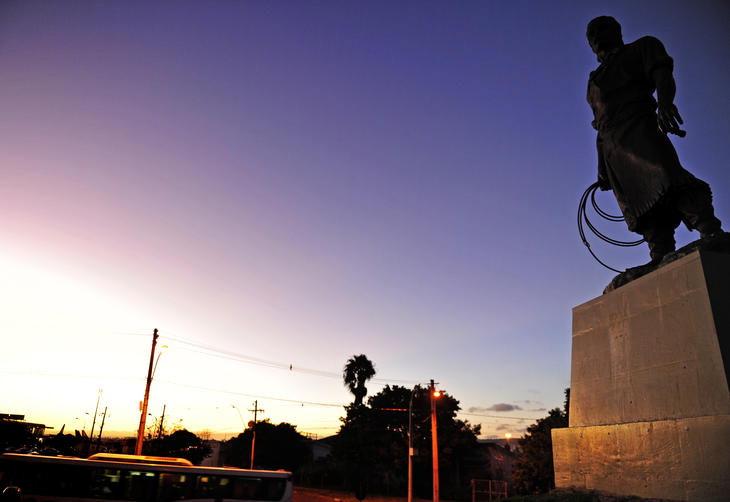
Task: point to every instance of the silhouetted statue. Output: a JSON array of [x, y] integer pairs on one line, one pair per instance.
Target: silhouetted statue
[[635, 157]]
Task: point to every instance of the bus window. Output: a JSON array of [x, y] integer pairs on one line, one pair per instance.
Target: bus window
[[140, 485], [175, 486], [213, 486], [244, 489], [106, 483], [257, 489]]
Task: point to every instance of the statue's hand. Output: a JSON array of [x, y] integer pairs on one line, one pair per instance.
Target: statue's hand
[[603, 183], [669, 120]]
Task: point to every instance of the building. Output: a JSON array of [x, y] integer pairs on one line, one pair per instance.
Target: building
[[15, 432], [501, 458]]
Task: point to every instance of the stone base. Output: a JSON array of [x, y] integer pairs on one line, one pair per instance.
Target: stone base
[[655, 349], [684, 459], [650, 402]]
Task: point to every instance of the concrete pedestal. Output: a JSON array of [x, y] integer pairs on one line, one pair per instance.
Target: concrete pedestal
[[650, 404]]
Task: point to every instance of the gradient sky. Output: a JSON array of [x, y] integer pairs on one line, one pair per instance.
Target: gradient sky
[[304, 181]]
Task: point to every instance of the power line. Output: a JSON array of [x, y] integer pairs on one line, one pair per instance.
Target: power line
[[178, 384], [129, 333], [42, 373], [494, 416], [325, 428], [232, 392], [245, 358], [286, 400]]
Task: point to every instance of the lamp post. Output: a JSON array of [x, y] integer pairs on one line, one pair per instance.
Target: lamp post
[[410, 444], [433, 395], [150, 374]]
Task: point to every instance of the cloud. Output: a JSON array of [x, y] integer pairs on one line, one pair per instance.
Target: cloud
[[538, 409], [503, 427], [501, 407], [504, 407], [531, 402]]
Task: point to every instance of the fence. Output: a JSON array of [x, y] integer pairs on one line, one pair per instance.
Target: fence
[[488, 489]]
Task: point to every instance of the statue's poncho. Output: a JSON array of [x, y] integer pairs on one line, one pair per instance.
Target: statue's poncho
[[635, 157]]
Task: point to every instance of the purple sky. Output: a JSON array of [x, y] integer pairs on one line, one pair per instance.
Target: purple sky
[[303, 181]]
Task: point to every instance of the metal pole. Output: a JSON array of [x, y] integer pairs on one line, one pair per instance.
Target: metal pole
[[145, 402], [93, 422], [101, 429], [434, 443], [410, 446], [162, 422]]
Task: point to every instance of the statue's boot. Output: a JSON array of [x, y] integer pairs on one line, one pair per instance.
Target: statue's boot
[[695, 205], [660, 245]]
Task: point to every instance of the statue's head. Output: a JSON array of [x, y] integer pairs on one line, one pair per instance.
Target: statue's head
[[604, 35]]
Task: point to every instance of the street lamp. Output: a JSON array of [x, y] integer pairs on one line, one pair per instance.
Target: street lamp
[[163, 348], [243, 423], [507, 437], [410, 443]]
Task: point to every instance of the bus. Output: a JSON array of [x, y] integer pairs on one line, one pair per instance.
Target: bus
[[116, 477]]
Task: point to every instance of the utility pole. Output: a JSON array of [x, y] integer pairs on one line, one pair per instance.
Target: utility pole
[[145, 402], [255, 411], [101, 428], [162, 422], [93, 422], [434, 442]]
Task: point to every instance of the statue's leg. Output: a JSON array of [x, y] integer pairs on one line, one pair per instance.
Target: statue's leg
[[657, 226], [695, 205]]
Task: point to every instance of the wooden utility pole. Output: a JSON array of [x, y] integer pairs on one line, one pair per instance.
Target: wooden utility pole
[[145, 402], [434, 442], [255, 411], [101, 428]]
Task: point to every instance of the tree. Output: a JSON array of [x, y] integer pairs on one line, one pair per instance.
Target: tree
[[277, 447], [534, 471], [357, 371], [181, 443], [372, 444]]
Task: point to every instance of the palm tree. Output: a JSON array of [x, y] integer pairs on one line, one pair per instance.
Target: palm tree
[[358, 370]]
